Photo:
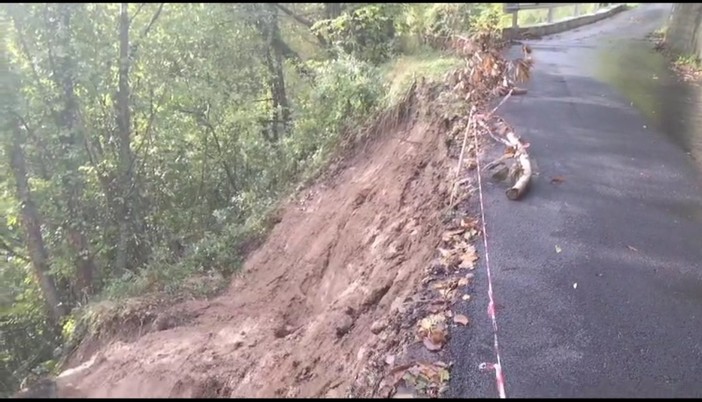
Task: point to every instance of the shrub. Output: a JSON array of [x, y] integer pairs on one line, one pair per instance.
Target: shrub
[[367, 33]]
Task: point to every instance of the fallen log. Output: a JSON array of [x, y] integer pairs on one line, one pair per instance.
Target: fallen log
[[521, 184]]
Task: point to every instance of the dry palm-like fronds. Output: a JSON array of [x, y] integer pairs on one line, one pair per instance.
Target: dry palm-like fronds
[[520, 69], [486, 73]]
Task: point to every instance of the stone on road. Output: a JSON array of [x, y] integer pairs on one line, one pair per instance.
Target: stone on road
[[627, 218]]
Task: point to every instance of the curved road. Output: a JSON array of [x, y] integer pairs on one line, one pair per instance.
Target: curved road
[[617, 312]]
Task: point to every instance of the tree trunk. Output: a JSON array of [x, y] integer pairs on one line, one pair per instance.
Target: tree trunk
[[70, 141], [274, 63], [332, 10], [125, 152], [299, 19], [31, 225]]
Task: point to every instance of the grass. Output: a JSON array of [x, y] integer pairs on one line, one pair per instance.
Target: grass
[[688, 61], [400, 72]]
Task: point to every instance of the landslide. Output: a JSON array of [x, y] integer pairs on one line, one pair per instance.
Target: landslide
[[343, 258], [333, 290]]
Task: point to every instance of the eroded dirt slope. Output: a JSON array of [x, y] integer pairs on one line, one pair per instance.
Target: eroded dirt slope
[[298, 321]]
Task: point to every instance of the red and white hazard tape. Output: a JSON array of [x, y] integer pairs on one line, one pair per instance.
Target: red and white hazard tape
[[499, 378]]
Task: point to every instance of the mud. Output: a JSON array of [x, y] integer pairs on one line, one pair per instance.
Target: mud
[[323, 296]]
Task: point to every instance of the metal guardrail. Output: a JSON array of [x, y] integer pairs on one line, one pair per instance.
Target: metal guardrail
[[514, 8]]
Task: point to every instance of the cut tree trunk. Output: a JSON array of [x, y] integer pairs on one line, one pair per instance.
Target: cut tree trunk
[[522, 183]]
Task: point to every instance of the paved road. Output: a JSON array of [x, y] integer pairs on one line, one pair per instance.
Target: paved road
[[627, 219]]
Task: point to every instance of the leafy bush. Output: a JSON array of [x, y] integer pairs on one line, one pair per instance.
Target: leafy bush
[[434, 23], [446, 19], [345, 90], [367, 33], [487, 20], [27, 341]]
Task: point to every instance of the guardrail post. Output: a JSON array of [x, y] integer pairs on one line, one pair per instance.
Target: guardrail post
[[550, 15], [577, 10], [515, 20]]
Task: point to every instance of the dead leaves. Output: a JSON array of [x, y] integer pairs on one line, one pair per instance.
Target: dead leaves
[[456, 253], [468, 257], [463, 256], [433, 332], [450, 235], [486, 72], [460, 319], [459, 253], [431, 346], [426, 379], [557, 179]]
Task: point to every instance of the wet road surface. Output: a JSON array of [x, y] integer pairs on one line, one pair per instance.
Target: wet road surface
[[617, 312]]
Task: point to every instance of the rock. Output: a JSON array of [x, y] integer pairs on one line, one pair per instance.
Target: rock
[[164, 322], [377, 327], [343, 325], [283, 330]]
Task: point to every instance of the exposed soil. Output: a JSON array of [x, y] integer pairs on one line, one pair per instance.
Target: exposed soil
[[313, 305]]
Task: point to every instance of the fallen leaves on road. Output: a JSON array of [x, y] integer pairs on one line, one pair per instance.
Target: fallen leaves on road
[[557, 179], [455, 253], [433, 332], [460, 319], [632, 248], [431, 346], [558, 249], [427, 379], [468, 256], [451, 234], [449, 258]]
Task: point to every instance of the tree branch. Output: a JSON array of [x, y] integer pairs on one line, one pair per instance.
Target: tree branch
[[151, 23], [35, 73], [137, 42], [11, 252], [298, 18], [141, 6]]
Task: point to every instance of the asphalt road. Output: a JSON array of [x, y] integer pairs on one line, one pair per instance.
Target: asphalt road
[[627, 221]]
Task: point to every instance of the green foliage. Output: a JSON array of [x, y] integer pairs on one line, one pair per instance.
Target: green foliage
[[400, 72], [486, 19], [366, 33], [445, 19], [346, 90], [688, 60], [27, 342], [430, 24]]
